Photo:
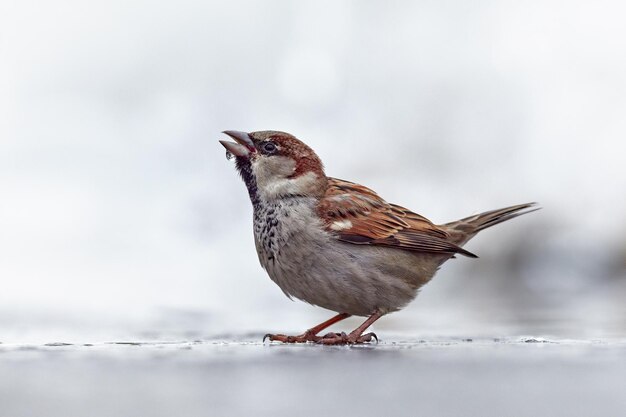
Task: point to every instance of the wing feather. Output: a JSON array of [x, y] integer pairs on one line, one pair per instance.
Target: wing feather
[[356, 214]]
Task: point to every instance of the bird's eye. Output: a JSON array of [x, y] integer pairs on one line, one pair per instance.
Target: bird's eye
[[268, 148]]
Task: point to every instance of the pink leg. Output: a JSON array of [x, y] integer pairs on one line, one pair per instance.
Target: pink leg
[[308, 336], [356, 336]]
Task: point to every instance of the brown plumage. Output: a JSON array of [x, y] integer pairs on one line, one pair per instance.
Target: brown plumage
[[337, 244], [373, 221]]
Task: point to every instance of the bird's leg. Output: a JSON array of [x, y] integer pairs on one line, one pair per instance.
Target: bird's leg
[[308, 336], [356, 336]]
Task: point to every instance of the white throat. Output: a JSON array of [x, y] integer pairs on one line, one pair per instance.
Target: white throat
[[273, 178]]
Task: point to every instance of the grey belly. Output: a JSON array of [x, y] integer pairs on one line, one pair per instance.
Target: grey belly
[[348, 278]]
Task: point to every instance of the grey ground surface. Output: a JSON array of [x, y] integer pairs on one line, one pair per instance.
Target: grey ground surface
[[240, 376]]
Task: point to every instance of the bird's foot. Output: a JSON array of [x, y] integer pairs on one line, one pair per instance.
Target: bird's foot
[[307, 336], [354, 338], [347, 339]]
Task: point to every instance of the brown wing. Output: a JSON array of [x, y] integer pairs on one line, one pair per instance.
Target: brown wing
[[358, 215]]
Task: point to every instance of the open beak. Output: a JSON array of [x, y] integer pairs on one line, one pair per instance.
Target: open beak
[[244, 145]]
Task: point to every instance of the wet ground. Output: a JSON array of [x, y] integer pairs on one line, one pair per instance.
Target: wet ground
[[240, 376]]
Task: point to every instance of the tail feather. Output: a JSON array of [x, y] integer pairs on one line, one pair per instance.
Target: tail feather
[[464, 229]]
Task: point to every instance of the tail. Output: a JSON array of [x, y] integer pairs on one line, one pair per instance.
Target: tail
[[464, 229]]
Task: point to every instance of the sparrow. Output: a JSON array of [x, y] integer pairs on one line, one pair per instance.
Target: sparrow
[[339, 245]]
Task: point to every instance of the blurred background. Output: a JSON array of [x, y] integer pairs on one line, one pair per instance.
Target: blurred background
[[120, 216]]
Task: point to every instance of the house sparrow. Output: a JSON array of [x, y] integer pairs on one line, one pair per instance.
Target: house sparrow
[[337, 244]]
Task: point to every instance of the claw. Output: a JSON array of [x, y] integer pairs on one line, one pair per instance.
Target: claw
[[303, 338], [344, 339], [311, 334], [367, 338], [328, 339], [355, 337]]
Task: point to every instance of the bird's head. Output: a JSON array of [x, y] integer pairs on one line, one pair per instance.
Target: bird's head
[[276, 165]]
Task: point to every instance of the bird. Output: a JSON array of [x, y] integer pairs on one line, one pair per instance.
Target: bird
[[337, 244]]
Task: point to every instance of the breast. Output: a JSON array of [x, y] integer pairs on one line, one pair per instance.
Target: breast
[[281, 223], [308, 263]]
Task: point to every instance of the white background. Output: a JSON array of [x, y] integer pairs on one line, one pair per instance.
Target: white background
[[119, 212]]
